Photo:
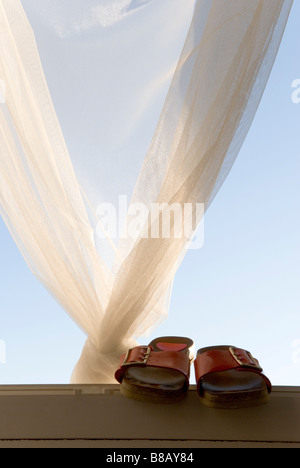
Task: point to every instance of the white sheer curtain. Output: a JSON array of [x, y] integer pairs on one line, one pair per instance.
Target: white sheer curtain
[[148, 99]]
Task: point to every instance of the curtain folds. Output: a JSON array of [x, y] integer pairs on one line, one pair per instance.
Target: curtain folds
[[196, 110]]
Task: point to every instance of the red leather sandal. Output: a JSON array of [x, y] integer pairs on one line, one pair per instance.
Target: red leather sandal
[[230, 377], [157, 373]]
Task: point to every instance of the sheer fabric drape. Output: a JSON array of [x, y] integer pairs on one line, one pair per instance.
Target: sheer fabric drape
[[151, 99]]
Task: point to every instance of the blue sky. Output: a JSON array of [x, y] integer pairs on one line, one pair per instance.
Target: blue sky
[[241, 288]]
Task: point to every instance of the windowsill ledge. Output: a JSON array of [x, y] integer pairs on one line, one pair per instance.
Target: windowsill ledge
[[98, 415]]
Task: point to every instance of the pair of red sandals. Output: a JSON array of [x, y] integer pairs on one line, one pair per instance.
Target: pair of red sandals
[[226, 376]]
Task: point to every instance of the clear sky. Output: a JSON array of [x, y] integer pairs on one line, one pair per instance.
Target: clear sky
[[241, 288]]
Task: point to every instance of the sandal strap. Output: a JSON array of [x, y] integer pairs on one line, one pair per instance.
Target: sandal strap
[[220, 360], [144, 356]]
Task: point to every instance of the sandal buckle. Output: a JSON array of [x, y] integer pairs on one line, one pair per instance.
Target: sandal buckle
[[144, 358], [248, 362]]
